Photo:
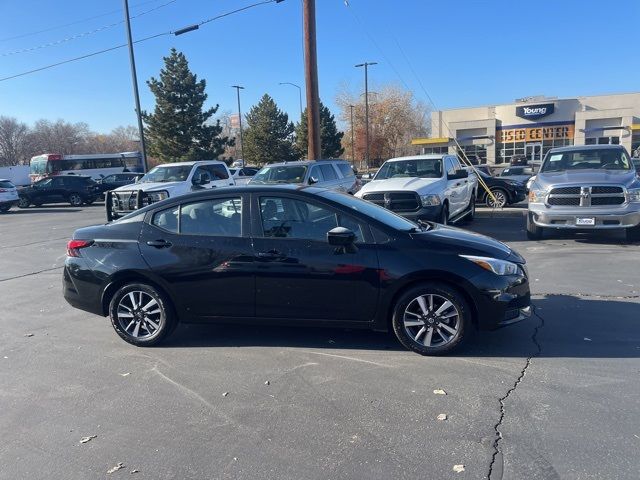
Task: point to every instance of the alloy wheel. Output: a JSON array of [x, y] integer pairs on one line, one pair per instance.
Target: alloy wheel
[[431, 320], [75, 200], [500, 199], [140, 315]]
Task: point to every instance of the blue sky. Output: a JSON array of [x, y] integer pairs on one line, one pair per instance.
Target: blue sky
[[466, 53]]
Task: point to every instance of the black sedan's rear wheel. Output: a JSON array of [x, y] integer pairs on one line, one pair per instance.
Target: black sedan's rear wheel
[[141, 315], [431, 319], [24, 202]]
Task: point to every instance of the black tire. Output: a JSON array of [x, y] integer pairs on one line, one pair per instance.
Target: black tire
[[501, 198], [534, 232], [4, 208], [24, 202], [472, 209], [422, 343], [444, 215], [75, 200], [125, 323], [633, 234]]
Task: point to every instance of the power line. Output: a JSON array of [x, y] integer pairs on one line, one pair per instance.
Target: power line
[[57, 27], [170, 32], [84, 34]]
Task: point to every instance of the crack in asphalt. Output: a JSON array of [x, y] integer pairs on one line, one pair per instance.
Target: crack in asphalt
[[586, 295], [31, 273], [498, 434]]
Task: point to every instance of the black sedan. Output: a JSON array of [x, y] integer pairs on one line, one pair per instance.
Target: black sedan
[[293, 256], [115, 180], [505, 191]]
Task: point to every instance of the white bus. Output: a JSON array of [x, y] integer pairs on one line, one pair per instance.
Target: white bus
[[95, 165]]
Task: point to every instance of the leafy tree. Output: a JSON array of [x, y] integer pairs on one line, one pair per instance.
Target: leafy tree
[[179, 129], [330, 137], [267, 138]]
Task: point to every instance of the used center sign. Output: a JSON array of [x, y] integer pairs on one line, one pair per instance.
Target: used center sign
[[535, 134], [535, 111]]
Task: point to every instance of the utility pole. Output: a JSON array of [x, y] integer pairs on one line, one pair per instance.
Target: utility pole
[[353, 154], [238, 88], [311, 79], [366, 108], [134, 79]]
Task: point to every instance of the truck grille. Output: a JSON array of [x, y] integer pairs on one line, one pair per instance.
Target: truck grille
[[586, 196], [124, 201], [395, 201]]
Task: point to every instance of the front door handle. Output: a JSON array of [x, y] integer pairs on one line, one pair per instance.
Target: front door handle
[[270, 255], [159, 243]]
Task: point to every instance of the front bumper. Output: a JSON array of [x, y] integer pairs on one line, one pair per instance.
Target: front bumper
[[431, 213], [624, 216]]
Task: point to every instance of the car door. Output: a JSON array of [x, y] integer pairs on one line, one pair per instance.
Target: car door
[[54, 192], [299, 276], [455, 187], [331, 178], [202, 249]]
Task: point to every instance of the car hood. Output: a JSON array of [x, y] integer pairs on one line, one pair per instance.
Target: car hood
[[415, 184], [587, 177], [441, 237], [149, 186]]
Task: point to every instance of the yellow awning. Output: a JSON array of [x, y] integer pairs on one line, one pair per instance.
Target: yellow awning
[[429, 141], [635, 126]]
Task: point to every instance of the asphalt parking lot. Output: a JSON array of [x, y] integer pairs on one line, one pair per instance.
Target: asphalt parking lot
[[553, 397]]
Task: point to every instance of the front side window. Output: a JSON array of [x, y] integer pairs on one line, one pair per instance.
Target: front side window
[[316, 173], [328, 172], [217, 172], [220, 217], [284, 217]]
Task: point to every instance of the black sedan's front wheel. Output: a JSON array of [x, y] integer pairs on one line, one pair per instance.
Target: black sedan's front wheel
[[141, 315], [24, 202], [431, 319]]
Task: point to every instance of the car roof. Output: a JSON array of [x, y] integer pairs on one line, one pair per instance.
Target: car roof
[[4, 180], [574, 148], [189, 164], [431, 156], [304, 162]]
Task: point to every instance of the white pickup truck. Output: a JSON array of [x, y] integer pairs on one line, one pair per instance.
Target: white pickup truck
[[164, 181], [424, 187]]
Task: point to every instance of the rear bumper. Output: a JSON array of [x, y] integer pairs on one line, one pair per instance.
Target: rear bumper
[[625, 216], [77, 296]]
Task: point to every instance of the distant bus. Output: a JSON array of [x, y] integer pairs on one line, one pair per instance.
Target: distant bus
[[95, 166]]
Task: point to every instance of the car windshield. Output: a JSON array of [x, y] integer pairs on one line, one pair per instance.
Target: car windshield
[[6, 184], [423, 168], [599, 159], [372, 210], [175, 173], [280, 174]]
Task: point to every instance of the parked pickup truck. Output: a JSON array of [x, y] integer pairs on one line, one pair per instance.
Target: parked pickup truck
[[164, 181], [592, 187], [424, 187]]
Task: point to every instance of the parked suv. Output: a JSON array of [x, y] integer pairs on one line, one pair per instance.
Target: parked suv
[[165, 181], [592, 187], [331, 174], [424, 187], [115, 180], [74, 189], [8, 195]]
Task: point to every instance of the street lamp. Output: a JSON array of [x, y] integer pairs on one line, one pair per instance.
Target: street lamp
[[299, 93], [238, 88], [353, 155], [366, 108]]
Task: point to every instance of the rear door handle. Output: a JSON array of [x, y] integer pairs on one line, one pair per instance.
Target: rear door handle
[[159, 243]]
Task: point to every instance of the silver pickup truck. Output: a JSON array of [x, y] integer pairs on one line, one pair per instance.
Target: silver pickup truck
[[591, 187]]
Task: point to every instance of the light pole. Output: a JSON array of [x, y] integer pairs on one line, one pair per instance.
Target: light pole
[[366, 108], [314, 150], [134, 79], [299, 93], [353, 154], [238, 88]]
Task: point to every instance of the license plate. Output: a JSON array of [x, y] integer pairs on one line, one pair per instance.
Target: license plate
[[585, 221]]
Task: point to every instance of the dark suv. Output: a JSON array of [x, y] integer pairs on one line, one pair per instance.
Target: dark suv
[[115, 180], [74, 189]]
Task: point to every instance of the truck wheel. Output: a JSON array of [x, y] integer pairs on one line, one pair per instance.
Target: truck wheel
[[534, 232], [472, 208], [444, 216], [633, 234]]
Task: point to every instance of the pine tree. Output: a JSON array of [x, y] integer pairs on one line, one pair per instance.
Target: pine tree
[[330, 137], [179, 128], [267, 138]]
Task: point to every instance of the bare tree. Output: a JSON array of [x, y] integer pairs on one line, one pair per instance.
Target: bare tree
[[395, 117], [13, 141], [59, 137]]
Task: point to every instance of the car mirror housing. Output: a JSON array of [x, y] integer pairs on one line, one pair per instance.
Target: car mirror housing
[[341, 237], [312, 180], [201, 179]]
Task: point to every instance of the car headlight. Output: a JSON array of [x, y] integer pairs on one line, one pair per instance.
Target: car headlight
[[158, 196], [430, 200], [633, 195], [499, 267], [536, 195]]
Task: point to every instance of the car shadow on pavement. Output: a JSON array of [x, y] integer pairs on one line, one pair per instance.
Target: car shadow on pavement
[[563, 326], [58, 209]]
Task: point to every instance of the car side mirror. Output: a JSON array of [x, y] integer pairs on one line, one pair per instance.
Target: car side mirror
[[201, 179], [313, 180], [342, 238], [366, 176]]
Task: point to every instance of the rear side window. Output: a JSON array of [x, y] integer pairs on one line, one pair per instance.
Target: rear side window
[[217, 172], [4, 184], [328, 172], [221, 217], [167, 219], [346, 170]]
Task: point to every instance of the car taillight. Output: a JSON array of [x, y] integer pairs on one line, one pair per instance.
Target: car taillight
[[3, 190], [74, 246]]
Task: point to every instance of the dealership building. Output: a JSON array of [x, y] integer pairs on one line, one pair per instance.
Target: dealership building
[[533, 125]]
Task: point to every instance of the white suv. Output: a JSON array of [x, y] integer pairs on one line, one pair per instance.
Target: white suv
[[424, 187], [165, 181], [8, 195]]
